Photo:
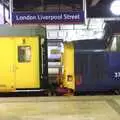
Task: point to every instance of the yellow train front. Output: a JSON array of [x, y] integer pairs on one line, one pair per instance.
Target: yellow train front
[[22, 52]]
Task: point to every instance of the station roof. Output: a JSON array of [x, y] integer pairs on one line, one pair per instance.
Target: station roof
[[95, 8], [97, 12]]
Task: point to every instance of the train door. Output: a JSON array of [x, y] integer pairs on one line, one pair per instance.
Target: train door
[[7, 66], [27, 62], [98, 67], [81, 68]]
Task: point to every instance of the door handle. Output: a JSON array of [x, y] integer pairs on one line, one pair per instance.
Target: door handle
[[17, 68], [14, 68]]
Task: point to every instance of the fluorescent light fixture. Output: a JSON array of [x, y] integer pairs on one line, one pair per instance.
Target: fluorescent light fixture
[[115, 7]]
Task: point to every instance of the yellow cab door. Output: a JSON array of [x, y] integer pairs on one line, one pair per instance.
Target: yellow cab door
[[27, 62], [7, 68], [68, 62]]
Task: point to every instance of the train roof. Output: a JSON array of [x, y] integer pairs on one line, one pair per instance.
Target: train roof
[[10, 31]]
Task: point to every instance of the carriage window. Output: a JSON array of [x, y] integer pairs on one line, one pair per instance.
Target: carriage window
[[24, 53]]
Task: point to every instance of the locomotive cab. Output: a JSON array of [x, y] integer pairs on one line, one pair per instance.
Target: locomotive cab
[[23, 59]]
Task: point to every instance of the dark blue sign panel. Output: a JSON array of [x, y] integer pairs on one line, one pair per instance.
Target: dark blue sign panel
[[47, 17]]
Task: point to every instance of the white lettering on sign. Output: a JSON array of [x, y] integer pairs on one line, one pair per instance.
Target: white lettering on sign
[[71, 17], [117, 74], [54, 17], [28, 17]]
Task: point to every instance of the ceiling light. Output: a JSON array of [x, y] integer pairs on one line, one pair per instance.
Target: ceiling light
[[115, 7]]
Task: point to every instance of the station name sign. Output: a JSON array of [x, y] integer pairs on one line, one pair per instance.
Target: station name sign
[[47, 17]]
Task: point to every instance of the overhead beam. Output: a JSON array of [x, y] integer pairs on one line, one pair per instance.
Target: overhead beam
[[94, 2]]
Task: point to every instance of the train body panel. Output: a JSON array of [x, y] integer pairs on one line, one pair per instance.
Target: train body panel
[[90, 70], [114, 69], [99, 71]]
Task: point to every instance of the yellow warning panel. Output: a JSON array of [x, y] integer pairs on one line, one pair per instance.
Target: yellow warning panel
[[7, 60], [68, 62]]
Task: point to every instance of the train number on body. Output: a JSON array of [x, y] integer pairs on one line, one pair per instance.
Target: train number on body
[[117, 74]]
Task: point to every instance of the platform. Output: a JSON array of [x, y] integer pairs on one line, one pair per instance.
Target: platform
[[60, 108]]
